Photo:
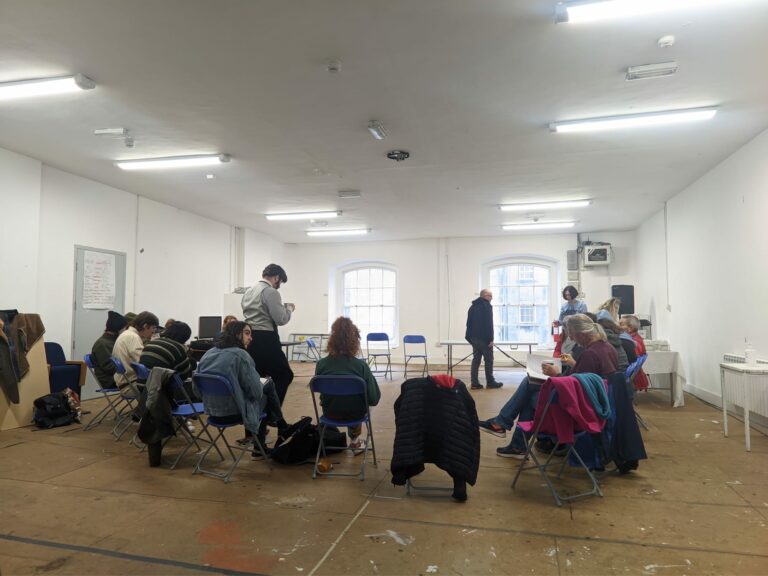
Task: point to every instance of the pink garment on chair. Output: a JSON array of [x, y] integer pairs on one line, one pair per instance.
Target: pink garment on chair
[[571, 413]]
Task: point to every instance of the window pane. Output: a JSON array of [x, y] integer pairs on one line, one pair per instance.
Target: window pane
[[376, 277], [376, 315], [364, 278], [350, 279], [350, 296], [363, 316], [376, 297], [541, 294], [370, 300], [541, 275], [388, 280], [526, 295], [388, 296]]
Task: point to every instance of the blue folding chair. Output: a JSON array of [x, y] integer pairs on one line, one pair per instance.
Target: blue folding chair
[[629, 376], [187, 409], [374, 356], [115, 402], [215, 385], [130, 394], [313, 353], [415, 340], [333, 385]]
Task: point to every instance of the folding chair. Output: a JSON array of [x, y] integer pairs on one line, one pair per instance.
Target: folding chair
[[142, 372], [185, 410], [115, 402], [130, 394], [629, 375], [374, 356], [211, 385], [333, 385], [530, 454], [313, 352], [415, 339]]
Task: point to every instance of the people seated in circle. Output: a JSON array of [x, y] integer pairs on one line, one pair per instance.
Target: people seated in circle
[[597, 356], [101, 352], [343, 346], [623, 342], [251, 398]]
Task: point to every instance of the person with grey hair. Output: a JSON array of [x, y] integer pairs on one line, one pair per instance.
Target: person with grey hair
[[631, 324], [597, 357], [264, 311]]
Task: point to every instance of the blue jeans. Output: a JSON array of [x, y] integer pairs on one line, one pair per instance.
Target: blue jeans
[[521, 406]]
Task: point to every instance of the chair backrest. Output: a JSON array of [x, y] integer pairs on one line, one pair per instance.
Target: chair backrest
[[142, 372], [414, 339], [634, 368], [377, 337], [119, 368], [211, 384], [339, 385], [310, 342], [88, 359], [54, 354]]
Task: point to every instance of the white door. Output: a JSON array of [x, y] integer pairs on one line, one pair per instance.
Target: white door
[[99, 287]]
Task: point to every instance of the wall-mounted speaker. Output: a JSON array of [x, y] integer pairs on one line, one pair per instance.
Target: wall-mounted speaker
[[627, 294]]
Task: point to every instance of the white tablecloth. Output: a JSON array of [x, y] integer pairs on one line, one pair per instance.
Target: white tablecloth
[[667, 362]]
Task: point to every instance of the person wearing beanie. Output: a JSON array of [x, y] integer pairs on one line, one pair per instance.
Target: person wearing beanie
[[101, 352]]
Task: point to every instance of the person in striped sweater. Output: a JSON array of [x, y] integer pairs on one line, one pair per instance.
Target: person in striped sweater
[[170, 351]]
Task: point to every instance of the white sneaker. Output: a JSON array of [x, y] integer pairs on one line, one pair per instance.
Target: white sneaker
[[357, 446]]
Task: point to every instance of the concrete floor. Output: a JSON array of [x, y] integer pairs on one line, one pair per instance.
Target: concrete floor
[[77, 502]]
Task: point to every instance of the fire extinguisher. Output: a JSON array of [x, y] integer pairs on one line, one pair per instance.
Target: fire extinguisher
[[556, 330]]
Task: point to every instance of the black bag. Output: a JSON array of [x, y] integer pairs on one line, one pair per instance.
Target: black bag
[[52, 410], [301, 446]]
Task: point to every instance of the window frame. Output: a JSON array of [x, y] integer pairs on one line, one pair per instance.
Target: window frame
[[532, 260], [338, 300]]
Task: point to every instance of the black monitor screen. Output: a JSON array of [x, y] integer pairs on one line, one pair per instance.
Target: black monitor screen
[[208, 326]]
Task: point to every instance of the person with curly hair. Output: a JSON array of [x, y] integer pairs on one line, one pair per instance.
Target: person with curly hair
[[343, 347]]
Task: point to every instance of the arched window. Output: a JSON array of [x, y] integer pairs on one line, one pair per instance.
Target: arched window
[[369, 297], [524, 296]]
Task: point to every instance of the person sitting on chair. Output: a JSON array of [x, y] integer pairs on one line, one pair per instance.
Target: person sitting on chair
[[251, 398], [101, 352], [343, 346], [130, 343], [169, 350], [598, 357], [631, 324]]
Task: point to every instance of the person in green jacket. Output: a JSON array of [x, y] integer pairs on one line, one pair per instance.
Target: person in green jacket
[[101, 353], [343, 346]]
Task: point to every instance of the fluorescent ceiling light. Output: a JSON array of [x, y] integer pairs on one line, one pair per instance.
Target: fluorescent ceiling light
[[646, 71], [376, 130], [45, 86], [533, 206], [593, 10], [304, 215], [635, 120], [173, 162], [538, 226], [359, 232]]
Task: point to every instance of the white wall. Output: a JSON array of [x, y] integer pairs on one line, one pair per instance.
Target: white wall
[[19, 208], [180, 267], [717, 265], [182, 263], [260, 250], [596, 281], [76, 210]]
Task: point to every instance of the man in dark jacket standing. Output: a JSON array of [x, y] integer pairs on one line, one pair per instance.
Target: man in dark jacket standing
[[480, 335]]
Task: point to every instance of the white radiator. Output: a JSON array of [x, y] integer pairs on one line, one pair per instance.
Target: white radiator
[[757, 387]]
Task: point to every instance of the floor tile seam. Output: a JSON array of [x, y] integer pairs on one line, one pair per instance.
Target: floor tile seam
[[169, 497], [77, 548], [594, 539]]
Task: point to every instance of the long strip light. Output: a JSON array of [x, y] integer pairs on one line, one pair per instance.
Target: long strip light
[[635, 120], [321, 233], [538, 226], [594, 10], [173, 162], [304, 215], [534, 206], [45, 86]]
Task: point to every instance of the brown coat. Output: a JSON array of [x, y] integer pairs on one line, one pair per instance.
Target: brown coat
[[20, 332]]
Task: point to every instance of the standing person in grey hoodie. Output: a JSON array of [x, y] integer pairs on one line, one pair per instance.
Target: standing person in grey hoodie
[[264, 311]]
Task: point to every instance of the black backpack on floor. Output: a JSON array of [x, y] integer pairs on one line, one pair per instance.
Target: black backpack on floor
[[301, 446], [52, 410]]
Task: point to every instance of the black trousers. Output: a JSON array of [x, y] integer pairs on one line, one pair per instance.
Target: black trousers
[[270, 361], [481, 351]]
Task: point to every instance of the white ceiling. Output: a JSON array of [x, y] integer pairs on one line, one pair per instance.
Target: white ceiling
[[467, 87]]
